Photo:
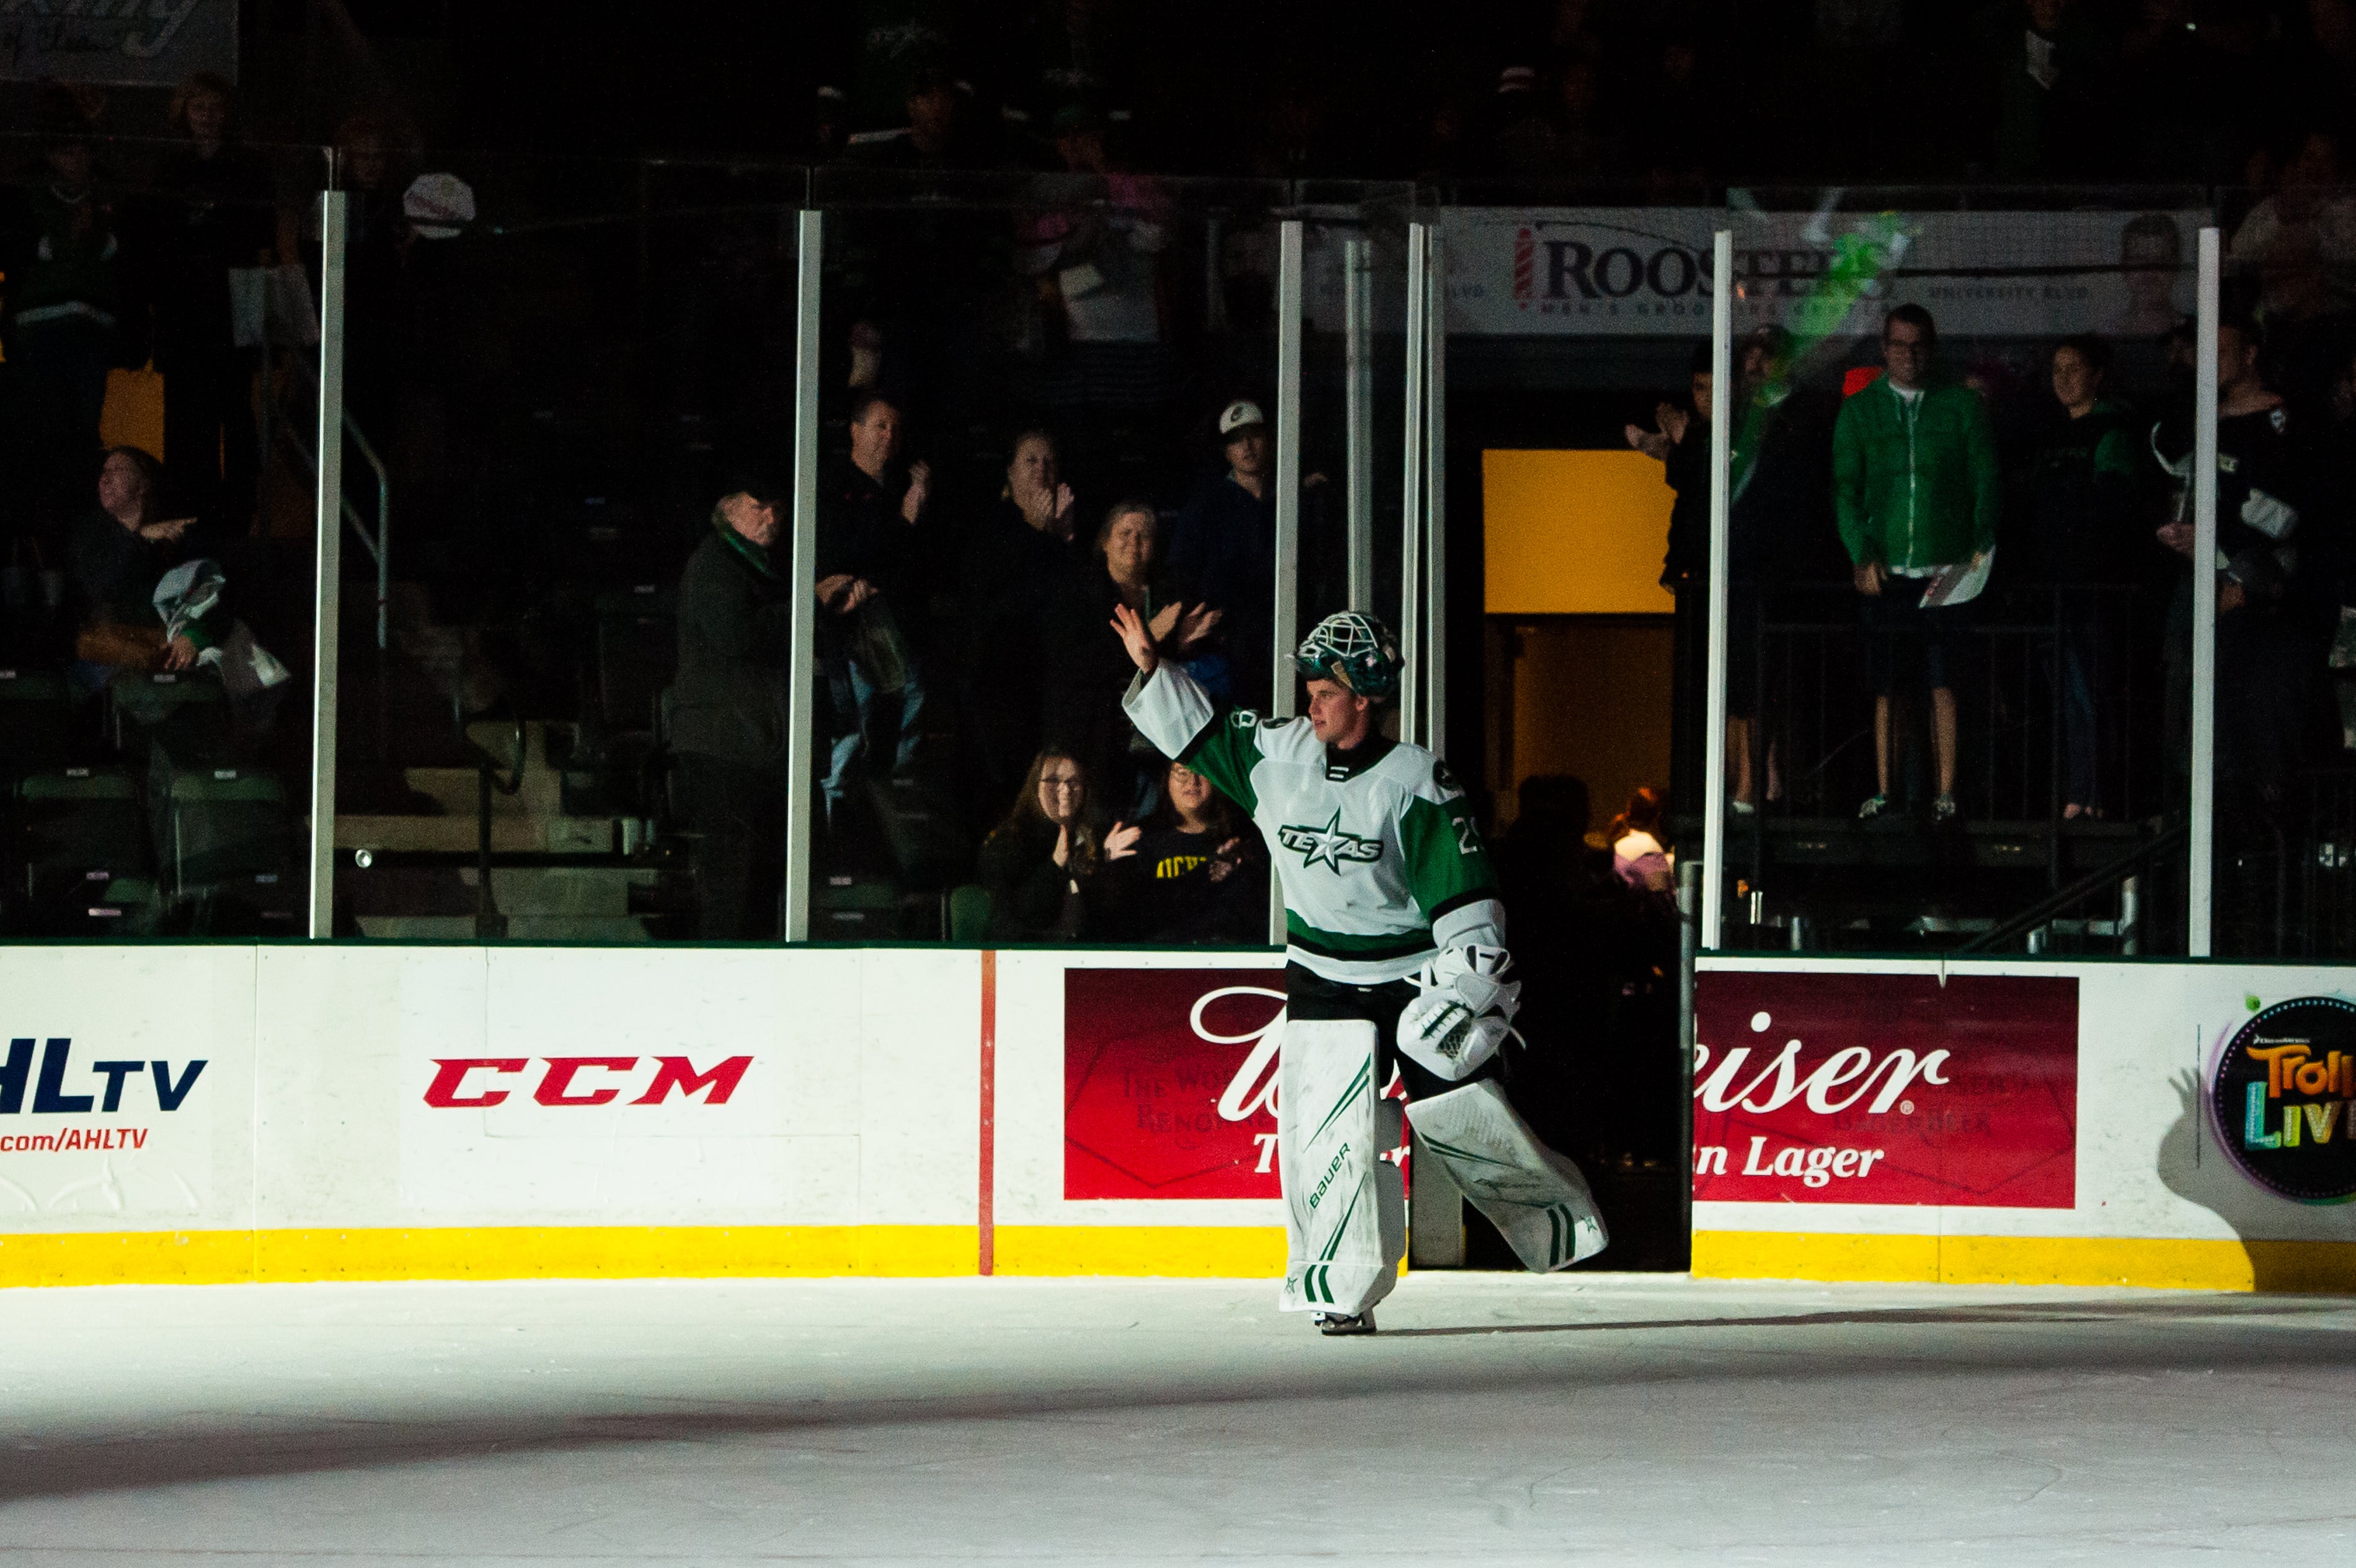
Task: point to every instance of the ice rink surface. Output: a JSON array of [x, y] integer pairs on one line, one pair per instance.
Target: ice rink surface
[[1497, 1420]]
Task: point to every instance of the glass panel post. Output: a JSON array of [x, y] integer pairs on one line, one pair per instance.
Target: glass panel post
[[1721, 434], [328, 585], [2200, 866], [1286, 627], [1435, 492], [1418, 242], [1359, 326], [801, 747]]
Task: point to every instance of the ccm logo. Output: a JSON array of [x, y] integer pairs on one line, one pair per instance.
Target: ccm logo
[[558, 1084]]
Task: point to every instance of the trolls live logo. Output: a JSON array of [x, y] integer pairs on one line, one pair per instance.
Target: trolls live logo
[[2284, 1096]]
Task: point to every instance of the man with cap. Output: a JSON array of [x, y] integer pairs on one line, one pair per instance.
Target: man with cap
[[730, 707], [1224, 547]]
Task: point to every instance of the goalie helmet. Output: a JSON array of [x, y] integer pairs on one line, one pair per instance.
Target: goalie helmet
[[1354, 649]]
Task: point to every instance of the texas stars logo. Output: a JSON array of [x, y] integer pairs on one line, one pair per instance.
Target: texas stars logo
[[1329, 843]]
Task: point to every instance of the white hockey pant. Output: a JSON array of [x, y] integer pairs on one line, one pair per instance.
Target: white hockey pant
[[1344, 1209], [1536, 1197]]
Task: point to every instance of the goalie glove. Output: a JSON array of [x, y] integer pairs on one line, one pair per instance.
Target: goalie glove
[[1462, 1011]]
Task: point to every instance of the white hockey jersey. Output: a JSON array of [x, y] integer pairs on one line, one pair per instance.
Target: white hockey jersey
[[1376, 851]]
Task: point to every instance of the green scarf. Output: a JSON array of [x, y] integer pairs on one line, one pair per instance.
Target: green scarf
[[757, 554]]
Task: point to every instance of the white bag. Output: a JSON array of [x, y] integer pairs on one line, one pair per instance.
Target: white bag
[[277, 297]]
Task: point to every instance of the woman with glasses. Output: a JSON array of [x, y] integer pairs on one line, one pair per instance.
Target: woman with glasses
[[1042, 863]]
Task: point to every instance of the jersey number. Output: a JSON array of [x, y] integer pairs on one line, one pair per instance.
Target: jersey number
[[1464, 840]]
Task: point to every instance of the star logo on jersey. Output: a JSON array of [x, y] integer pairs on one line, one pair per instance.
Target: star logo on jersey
[[1330, 844]]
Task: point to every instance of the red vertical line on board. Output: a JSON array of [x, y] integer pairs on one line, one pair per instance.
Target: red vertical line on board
[[988, 1210]]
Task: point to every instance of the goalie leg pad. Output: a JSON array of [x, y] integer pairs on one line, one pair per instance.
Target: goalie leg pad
[[1345, 1210], [1535, 1196]]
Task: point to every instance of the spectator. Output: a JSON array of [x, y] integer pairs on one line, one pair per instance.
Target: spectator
[[2045, 67], [1678, 135], [1223, 549], [2076, 508], [1019, 563], [1042, 865], [1780, 477], [117, 550], [1198, 873], [1914, 491], [372, 155], [1638, 857], [1098, 262], [1518, 136], [65, 302], [1092, 670], [943, 132], [2301, 242], [2260, 677], [2332, 545], [1680, 442], [218, 214], [1573, 140], [729, 711], [868, 527]]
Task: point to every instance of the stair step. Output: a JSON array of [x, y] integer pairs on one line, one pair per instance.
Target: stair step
[[510, 835], [526, 928], [577, 928], [580, 892], [541, 794]]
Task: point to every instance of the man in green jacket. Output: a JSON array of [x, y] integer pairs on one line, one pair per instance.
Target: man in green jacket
[[1915, 492]]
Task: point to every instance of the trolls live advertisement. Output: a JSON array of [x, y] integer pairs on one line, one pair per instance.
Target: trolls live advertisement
[[1815, 1088], [1170, 1082]]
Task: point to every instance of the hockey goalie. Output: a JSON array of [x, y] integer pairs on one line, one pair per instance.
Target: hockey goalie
[[1395, 960]]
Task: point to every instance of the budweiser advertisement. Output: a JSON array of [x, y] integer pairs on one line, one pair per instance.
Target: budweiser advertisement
[[1896, 1089], [1170, 1082]]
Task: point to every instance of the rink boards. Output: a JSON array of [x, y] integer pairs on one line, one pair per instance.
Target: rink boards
[[411, 1112], [2097, 1123], [229, 1112]]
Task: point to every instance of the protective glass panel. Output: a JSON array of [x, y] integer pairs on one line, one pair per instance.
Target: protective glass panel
[[548, 361], [582, 389], [1087, 362], [2286, 714], [1355, 441], [1954, 708], [162, 341]]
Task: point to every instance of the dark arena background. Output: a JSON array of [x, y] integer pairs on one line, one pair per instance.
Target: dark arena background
[[603, 964]]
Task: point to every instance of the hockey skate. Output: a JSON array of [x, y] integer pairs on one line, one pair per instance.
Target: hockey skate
[[1337, 1325]]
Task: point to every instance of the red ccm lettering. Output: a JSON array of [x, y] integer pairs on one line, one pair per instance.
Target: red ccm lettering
[[551, 1089], [556, 1087], [450, 1076]]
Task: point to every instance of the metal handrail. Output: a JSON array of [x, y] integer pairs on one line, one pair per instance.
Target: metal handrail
[[380, 545], [2094, 882]]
